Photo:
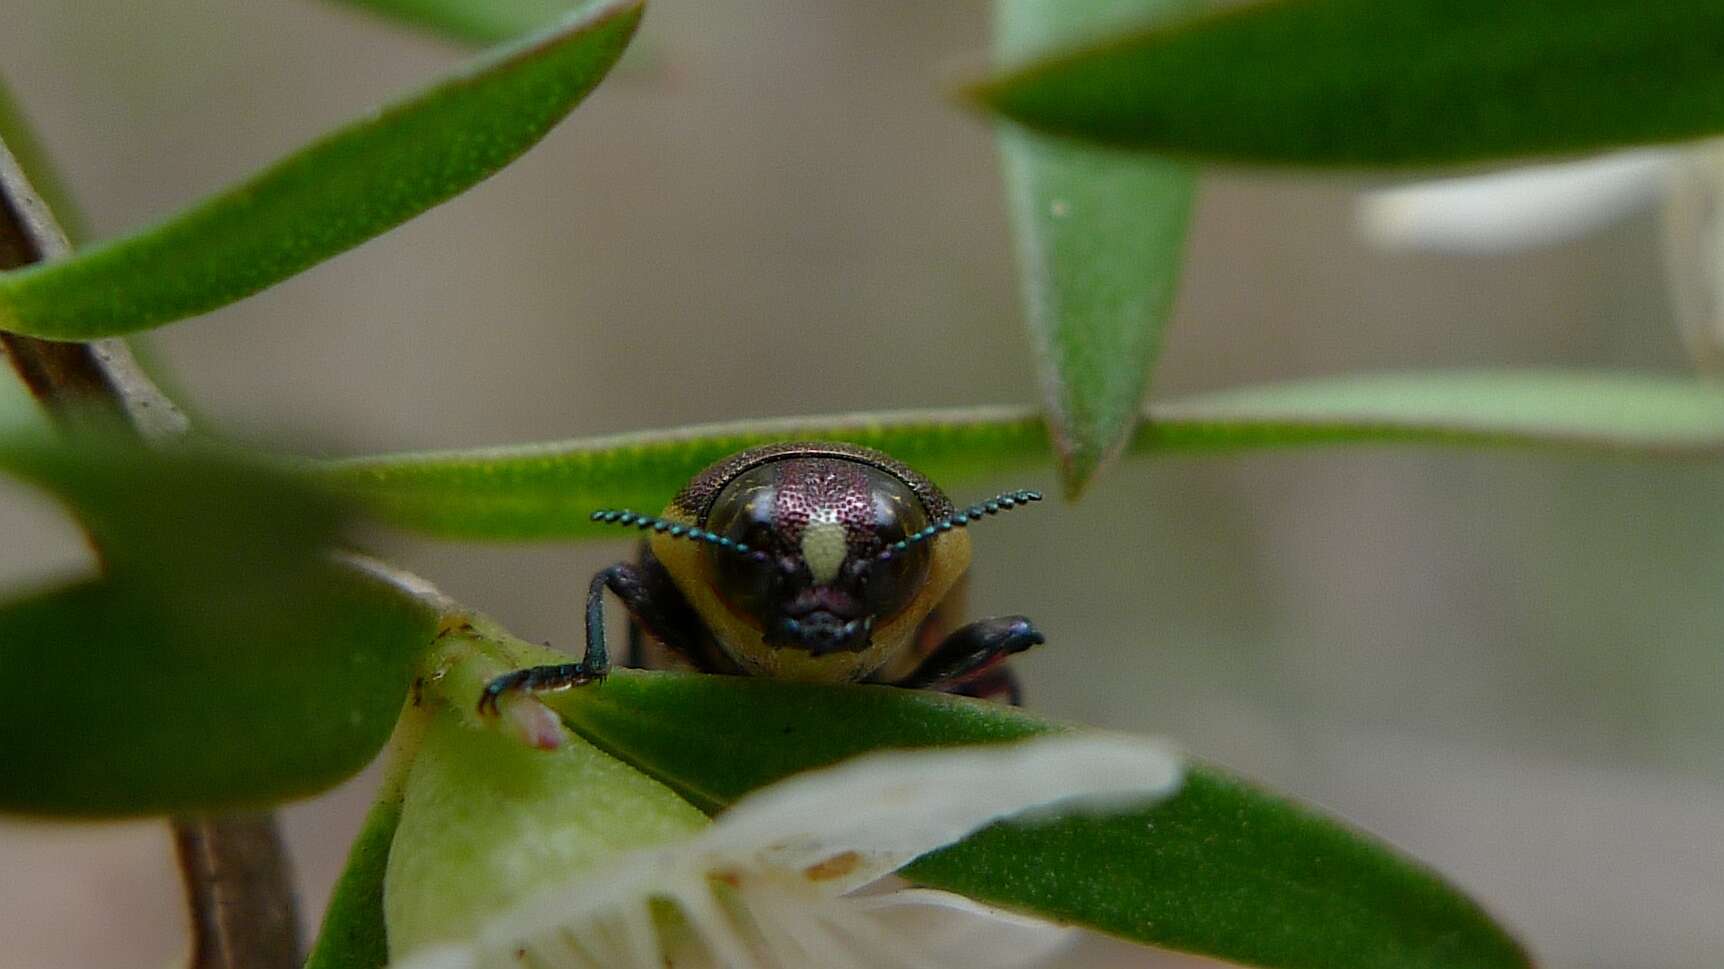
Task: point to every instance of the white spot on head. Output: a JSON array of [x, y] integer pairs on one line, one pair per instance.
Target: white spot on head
[[824, 546]]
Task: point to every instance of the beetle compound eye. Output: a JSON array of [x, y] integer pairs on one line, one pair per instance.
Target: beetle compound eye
[[892, 582], [743, 513]]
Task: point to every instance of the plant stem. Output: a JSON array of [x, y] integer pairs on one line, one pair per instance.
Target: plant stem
[[238, 883], [72, 381]]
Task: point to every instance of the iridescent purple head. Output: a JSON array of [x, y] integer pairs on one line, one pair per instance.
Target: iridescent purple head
[[822, 522]]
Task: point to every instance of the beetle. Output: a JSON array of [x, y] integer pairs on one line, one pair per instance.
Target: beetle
[[810, 561]]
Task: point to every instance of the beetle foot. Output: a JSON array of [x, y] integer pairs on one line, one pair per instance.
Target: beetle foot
[[537, 679]]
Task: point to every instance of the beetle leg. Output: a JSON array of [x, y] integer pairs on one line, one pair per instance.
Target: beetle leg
[[635, 656], [651, 603], [970, 657]]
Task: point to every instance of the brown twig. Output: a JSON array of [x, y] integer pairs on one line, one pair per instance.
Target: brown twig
[[70, 379], [238, 883]]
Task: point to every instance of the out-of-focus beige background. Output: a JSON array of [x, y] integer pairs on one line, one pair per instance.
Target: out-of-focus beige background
[[1508, 664]]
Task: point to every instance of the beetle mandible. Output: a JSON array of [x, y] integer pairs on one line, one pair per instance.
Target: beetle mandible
[[812, 561]]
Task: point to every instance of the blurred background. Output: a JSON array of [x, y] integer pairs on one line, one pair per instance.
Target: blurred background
[[1507, 664]]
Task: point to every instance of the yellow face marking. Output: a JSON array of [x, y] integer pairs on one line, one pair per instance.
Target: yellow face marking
[[824, 547]]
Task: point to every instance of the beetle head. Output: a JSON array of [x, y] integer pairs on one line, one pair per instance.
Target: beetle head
[[815, 578], [813, 547]]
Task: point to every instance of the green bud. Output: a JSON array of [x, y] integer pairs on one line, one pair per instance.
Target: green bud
[[487, 821]]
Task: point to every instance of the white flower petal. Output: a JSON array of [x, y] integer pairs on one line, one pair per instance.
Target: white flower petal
[[444, 956], [962, 932], [1520, 208], [1694, 253], [851, 824], [763, 887]]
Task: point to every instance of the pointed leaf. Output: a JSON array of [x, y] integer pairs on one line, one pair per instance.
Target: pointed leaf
[[223, 661], [547, 491], [1387, 82], [327, 198], [1099, 240], [1604, 412], [1221, 868]]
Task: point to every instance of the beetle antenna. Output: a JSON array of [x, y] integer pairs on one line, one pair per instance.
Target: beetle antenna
[[993, 506], [673, 529]]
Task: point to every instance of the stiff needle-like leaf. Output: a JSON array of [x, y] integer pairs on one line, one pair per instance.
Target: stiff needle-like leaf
[[548, 491]]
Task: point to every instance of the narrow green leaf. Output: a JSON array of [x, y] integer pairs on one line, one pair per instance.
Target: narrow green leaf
[[327, 198], [1605, 412], [1099, 240], [546, 491], [1222, 868], [222, 661], [1387, 82], [473, 21]]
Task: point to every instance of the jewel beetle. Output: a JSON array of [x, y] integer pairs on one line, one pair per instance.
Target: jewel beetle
[[812, 561]]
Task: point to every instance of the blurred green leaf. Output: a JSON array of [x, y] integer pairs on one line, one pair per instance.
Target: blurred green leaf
[[547, 491], [222, 661], [331, 196], [18, 410], [1387, 82], [473, 21], [1221, 868], [177, 516], [1099, 240]]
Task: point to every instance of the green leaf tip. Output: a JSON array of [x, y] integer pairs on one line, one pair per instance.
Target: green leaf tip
[[1357, 83], [334, 194], [1100, 237]]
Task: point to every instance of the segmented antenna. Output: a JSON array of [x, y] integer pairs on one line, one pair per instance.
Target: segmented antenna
[[674, 530], [993, 506]]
